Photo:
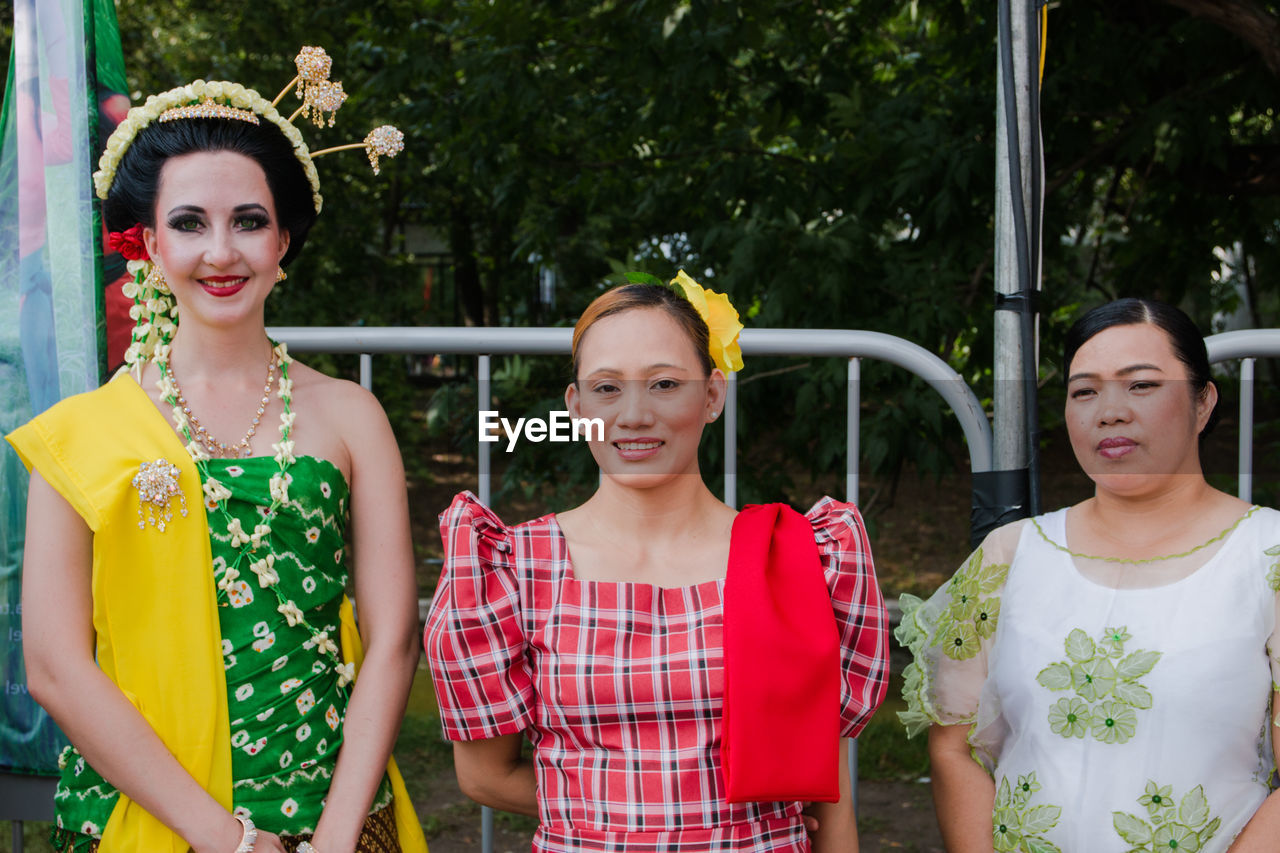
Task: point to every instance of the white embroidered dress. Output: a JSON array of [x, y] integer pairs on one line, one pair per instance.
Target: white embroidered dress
[[1118, 707]]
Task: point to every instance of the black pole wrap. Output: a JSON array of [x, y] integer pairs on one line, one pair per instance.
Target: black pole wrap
[[999, 497]]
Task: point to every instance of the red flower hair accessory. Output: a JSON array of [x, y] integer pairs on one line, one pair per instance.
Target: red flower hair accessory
[[129, 243]]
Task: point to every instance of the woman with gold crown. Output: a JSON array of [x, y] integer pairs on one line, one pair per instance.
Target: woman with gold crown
[[186, 547], [684, 671]]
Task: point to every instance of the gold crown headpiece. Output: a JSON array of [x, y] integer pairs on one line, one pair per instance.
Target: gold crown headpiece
[[321, 98]]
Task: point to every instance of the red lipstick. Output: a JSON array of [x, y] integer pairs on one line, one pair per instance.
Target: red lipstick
[[223, 285]]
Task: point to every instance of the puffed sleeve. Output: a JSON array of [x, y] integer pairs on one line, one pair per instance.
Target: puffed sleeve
[[859, 609], [950, 637], [474, 637]]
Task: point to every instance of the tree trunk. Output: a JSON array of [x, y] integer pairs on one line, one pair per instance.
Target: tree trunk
[[1250, 21], [466, 271]]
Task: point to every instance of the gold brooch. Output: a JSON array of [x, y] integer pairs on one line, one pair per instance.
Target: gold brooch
[[157, 483]]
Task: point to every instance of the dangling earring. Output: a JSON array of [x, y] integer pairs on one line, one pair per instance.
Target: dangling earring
[[155, 279], [281, 275]]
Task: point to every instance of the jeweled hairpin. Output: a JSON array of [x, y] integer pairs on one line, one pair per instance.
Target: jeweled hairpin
[[318, 93], [385, 141]]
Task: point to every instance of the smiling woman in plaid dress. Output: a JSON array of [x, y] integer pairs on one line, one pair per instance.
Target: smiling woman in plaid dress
[[619, 635]]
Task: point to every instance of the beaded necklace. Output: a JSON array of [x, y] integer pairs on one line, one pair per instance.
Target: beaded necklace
[[246, 544], [213, 446], [1135, 562]]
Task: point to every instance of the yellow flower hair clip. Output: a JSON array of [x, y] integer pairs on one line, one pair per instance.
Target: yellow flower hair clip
[[721, 319]]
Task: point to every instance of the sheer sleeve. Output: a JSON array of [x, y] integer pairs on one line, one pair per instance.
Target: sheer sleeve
[[859, 610], [474, 636], [1273, 643], [950, 638]]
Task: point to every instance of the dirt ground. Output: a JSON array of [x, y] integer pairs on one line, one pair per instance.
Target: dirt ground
[[894, 816]]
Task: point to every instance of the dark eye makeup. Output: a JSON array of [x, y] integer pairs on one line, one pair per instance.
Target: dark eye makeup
[[184, 222], [245, 218], [252, 221]]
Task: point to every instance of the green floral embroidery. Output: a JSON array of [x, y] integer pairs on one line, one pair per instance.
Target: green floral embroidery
[[1114, 639], [1105, 681], [1114, 722], [973, 611], [1169, 825], [1069, 718], [1273, 576], [1016, 825]]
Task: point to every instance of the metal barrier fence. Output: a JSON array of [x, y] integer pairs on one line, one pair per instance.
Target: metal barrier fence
[[835, 343], [1248, 346], [31, 798]]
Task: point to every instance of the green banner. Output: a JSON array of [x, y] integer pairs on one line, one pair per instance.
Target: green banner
[[65, 93]]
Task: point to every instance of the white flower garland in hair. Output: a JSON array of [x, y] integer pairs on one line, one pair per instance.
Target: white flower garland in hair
[[232, 94], [155, 317]]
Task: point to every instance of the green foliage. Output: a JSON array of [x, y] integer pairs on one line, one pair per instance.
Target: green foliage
[[884, 752], [825, 165]]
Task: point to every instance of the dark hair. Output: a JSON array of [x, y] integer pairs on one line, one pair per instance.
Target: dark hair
[[132, 198], [630, 296], [1183, 334]]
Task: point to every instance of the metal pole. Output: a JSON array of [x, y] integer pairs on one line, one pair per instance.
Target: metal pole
[[366, 371], [484, 399], [853, 431], [17, 836], [1013, 261], [731, 441], [1245, 483], [852, 449]]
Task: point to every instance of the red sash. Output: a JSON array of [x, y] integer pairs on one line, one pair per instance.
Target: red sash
[[782, 663]]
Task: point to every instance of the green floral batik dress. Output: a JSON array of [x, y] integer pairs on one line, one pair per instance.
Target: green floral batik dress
[[287, 688]]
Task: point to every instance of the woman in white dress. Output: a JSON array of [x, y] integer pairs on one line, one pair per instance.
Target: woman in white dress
[[1105, 677]]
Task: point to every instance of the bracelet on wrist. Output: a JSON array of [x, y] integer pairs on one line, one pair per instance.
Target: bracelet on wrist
[[248, 834], [306, 847]]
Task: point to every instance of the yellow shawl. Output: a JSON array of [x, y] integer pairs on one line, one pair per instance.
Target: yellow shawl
[[154, 606]]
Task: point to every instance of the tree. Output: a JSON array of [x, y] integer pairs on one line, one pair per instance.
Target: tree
[[825, 164]]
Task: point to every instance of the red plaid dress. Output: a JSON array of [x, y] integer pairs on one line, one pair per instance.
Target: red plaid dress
[[619, 685]]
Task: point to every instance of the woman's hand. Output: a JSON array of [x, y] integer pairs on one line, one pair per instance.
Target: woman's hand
[[228, 834], [268, 842]]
